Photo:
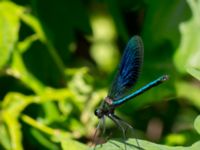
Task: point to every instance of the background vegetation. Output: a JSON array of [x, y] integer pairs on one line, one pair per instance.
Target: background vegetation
[[58, 58]]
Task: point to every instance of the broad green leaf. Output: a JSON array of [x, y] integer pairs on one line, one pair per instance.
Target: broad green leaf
[[132, 145], [197, 124], [68, 144], [188, 52], [9, 28]]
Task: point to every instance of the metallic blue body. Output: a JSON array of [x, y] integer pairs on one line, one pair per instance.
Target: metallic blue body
[[140, 91]]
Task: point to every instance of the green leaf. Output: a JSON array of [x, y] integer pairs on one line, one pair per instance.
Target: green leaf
[[13, 105], [197, 124], [4, 138], [72, 145], [192, 96], [9, 28], [188, 52], [132, 145], [195, 72]]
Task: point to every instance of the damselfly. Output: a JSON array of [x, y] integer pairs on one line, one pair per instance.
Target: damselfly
[[126, 77]]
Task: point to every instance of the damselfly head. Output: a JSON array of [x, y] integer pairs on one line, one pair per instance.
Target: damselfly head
[[99, 113]]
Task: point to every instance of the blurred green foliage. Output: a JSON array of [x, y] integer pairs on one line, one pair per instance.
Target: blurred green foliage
[[58, 59]]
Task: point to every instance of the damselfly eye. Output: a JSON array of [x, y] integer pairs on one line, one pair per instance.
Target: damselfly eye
[[98, 113]]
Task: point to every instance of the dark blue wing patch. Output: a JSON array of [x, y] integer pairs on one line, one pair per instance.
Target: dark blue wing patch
[[129, 68]]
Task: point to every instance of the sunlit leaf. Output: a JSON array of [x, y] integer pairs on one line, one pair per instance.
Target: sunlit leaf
[[188, 52], [9, 28], [197, 124], [192, 96], [4, 138], [194, 72], [13, 105]]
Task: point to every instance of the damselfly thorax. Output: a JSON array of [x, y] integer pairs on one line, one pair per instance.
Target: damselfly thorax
[[106, 108]]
